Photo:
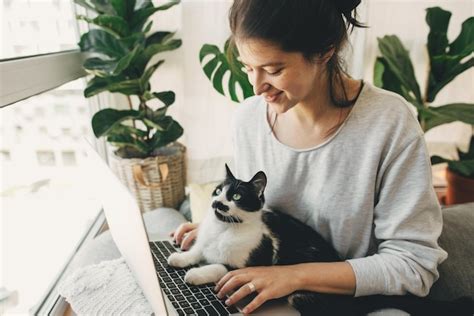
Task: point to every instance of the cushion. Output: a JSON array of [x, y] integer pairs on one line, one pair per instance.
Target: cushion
[[200, 198], [457, 271]]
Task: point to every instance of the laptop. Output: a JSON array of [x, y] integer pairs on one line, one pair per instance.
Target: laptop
[[162, 285]]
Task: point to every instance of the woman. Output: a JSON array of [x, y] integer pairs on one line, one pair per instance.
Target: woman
[[341, 155]]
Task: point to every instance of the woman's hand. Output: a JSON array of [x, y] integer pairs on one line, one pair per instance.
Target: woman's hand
[[185, 234], [269, 282]]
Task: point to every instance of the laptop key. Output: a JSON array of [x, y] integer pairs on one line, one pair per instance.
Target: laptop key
[[179, 297], [180, 312], [184, 304], [191, 299], [211, 311], [232, 309], [189, 311], [196, 305], [194, 290], [171, 297], [221, 309], [186, 293], [175, 291], [175, 304], [204, 302], [198, 295], [200, 312]]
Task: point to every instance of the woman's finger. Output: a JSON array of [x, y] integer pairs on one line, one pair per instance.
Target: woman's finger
[[256, 302], [224, 279], [179, 233], [242, 292], [232, 284], [188, 240]]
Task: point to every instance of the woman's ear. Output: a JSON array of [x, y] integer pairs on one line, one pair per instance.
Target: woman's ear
[[324, 58]]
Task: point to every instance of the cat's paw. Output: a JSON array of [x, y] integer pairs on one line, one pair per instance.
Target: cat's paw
[[178, 260], [196, 277]]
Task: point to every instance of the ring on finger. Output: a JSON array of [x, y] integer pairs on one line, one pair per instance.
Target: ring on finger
[[251, 287]]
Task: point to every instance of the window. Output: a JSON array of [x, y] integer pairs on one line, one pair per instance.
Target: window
[[36, 31], [47, 206], [47, 210], [69, 158], [46, 158]]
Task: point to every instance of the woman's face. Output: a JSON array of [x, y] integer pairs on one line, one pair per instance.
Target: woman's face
[[284, 79]]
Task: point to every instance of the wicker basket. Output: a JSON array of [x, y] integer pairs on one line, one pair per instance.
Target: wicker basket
[[155, 181]]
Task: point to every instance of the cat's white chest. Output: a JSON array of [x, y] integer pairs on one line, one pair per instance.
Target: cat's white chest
[[231, 246]]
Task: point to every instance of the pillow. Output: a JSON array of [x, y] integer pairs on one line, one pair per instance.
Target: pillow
[[200, 198]]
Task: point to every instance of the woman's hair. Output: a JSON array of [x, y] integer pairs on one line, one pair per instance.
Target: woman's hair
[[311, 27]]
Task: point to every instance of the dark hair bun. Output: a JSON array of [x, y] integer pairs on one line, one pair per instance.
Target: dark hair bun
[[346, 6]]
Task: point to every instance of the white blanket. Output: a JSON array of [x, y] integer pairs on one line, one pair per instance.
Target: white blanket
[[107, 288]]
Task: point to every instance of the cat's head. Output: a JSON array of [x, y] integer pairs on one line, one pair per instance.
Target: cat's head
[[234, 201]]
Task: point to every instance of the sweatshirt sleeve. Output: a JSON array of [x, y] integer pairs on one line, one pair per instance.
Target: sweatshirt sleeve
[[407, 225]]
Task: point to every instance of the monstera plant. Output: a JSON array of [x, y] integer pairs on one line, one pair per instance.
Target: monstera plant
[[218, 63], [121, 47], [394, 71]]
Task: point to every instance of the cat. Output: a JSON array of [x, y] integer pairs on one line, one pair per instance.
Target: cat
[[238, 220]]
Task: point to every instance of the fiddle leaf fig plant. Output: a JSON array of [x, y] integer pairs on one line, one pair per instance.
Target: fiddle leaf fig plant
[[218, 64], [120, 50], [394, 70]]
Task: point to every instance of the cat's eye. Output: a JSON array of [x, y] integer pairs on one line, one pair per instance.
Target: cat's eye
[[218, 191], [236, 197]]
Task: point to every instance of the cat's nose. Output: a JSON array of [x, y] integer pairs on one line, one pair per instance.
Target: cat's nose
[[221, 207]]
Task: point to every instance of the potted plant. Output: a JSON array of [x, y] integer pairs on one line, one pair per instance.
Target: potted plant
[[394, 71], [460, 176], [147, 157]]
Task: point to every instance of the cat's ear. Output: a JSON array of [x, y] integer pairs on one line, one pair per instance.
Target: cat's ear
[[229, 174], [259, 181]]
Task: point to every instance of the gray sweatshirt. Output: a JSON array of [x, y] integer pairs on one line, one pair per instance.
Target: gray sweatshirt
[[367, 190]]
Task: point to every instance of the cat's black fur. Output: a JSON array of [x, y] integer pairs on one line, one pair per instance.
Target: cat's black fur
[[299, 243]]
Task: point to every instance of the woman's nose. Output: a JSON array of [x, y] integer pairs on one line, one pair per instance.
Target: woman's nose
[[260, 88]]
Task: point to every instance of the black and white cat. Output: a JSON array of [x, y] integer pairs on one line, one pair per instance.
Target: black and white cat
[[239, 232]]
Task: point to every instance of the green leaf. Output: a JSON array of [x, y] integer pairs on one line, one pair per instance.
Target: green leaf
[[219, 65], [448, 113], [446, 66], [167, 97], [159, 38], [463, 45], [437, 159], [113, 84], [140, 16], [438, 21], [99, 6], [464, 168], [147, 75], [100, 41], [122, 140], [398, 60], [161, 139], [125, 129], [386, 79], [104, 120], [154, 49], [124, 8], [443, 65], [113, 24]]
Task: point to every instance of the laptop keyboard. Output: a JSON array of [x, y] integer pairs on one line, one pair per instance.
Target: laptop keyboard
[[187, 299]]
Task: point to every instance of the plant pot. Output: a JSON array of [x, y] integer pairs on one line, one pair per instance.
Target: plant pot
[[156, 181], [460, 189]]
